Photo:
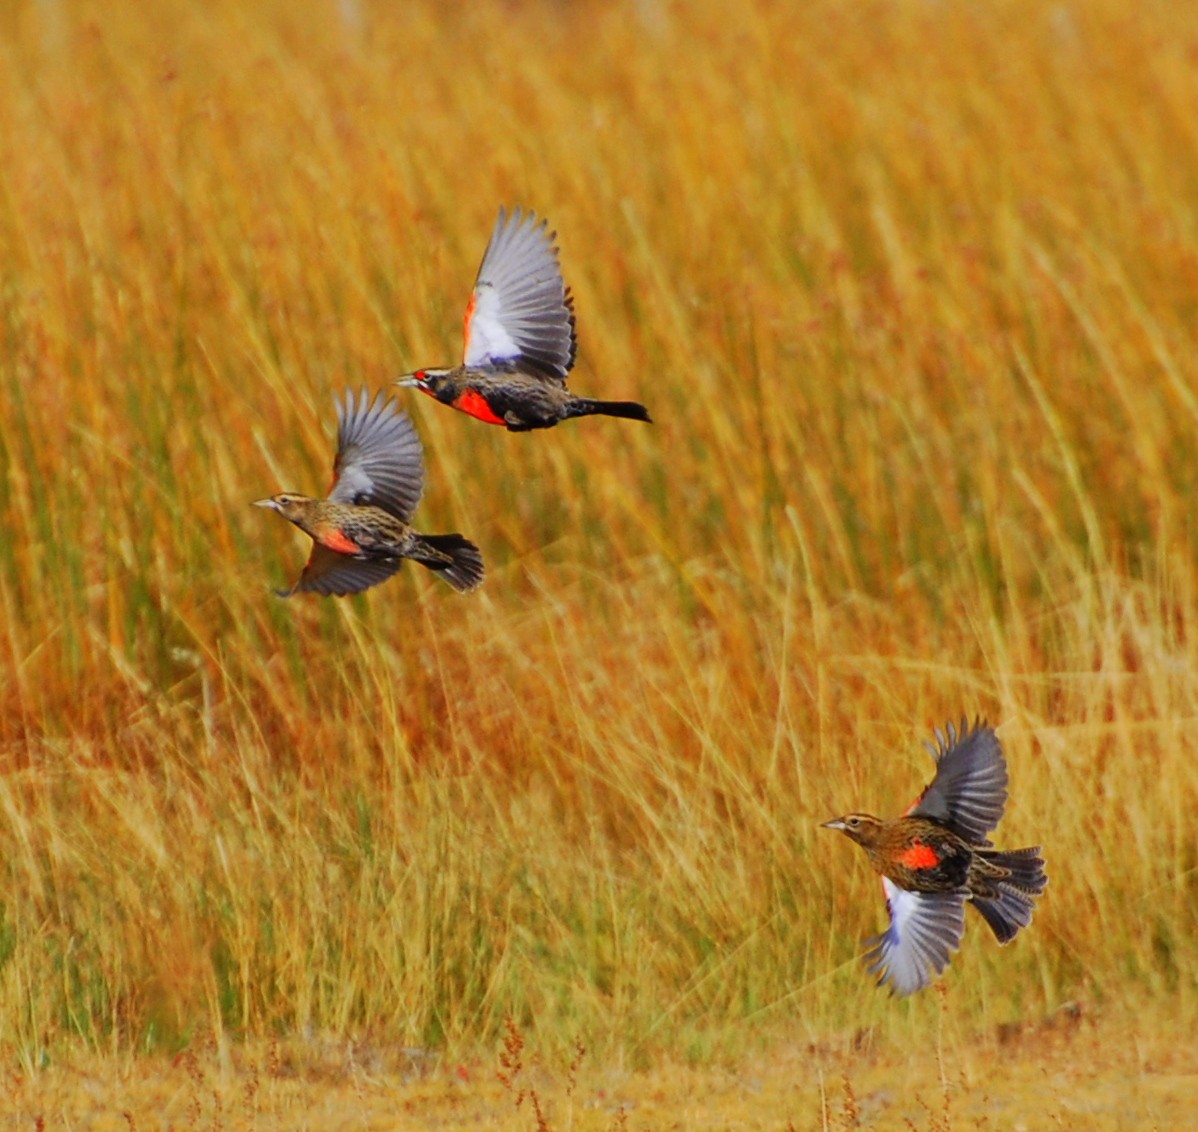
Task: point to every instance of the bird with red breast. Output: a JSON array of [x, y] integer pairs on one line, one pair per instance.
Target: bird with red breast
[[936, 858], [520, 340], [360, 532]]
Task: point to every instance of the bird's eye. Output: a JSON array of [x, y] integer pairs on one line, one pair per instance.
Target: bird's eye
[[854, 822]]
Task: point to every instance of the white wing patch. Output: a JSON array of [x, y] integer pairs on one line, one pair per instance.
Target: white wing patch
[[521, 308], [925, 929], [486, 339]]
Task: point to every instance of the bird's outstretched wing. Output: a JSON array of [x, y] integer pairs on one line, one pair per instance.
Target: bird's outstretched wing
[[969, 792], [333, 574], [925, 929], [379, 458], [521, 308]]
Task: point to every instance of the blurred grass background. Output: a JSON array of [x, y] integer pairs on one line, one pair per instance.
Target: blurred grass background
[[910, 290]]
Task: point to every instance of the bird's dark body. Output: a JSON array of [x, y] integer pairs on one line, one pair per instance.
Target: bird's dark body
[[367, 533], [519, 398], [900, 844], [923, 855], [375, 532]]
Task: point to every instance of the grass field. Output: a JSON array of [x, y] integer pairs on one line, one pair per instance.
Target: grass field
[[1065, 1072], [911, 292]]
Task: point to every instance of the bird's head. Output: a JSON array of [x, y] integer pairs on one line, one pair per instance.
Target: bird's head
[[862, 828], [426, 380], [289, 505]]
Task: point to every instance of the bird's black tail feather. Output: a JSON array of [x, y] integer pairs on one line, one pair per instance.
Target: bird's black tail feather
[[1005, 890], [586, 406], [454, 557]]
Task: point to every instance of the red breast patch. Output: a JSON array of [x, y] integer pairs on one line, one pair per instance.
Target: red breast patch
[[476, 405], [337, 540], [919, 856]]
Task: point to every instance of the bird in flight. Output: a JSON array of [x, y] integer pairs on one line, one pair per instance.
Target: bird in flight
[[360, 533], [936, 858], [520, 341]]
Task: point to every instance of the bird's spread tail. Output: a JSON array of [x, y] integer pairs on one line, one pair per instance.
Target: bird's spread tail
[[454, 557], [1004, 890], [586, 406]]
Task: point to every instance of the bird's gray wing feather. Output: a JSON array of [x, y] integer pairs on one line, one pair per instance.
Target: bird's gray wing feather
[[925, 929], [333, 574], [969, 792], [521, 308], [379, 458]]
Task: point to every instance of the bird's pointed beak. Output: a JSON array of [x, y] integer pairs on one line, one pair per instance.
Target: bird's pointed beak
[[265, 503], [409, 379], [835, 823]]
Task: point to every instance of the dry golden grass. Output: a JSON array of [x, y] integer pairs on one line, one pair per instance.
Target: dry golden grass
[[1064, 1074], [910, 291]]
